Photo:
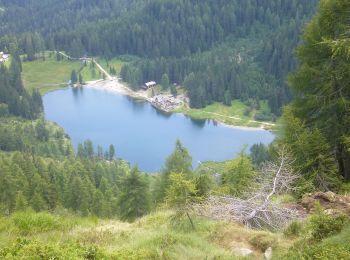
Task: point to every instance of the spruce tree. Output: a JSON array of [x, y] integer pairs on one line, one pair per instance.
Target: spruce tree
[[74, 77], [321, 83], [133, 199], [165, 81], [179, 161]]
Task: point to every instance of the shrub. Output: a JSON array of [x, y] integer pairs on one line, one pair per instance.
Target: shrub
[[27, 249], [29, 222], [262, 242], [263, 116], [345, 188], [294, 229], [323, 226], [135, 254], [319, 252]]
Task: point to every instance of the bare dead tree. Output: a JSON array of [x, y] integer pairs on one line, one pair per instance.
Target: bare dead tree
[[256, 209]]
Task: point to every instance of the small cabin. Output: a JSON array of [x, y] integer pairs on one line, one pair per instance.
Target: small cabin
[[3, 57], [149, 85]]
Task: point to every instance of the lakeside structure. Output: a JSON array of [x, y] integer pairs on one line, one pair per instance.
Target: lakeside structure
[[166, 102], [149, 85], [4, 57]]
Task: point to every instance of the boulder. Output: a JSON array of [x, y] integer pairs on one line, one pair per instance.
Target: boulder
[[243, 252], [268, 254]]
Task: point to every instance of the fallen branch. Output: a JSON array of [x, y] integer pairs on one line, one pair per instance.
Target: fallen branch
[[257, 210]]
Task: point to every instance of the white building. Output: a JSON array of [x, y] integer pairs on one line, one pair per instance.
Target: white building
[[149, 84], [3, 57]]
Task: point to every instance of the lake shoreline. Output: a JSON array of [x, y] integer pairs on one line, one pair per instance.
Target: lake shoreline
[[141, 134], [115, 86]]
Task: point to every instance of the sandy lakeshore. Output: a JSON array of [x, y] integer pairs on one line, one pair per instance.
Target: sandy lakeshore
[[114, 85]]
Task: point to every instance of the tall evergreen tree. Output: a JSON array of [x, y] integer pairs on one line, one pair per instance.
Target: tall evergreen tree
[[179, 161], [73, 77], [133, 199], [165, 81], [321, 82]]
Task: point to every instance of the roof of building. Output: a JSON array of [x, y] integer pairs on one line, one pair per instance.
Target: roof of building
[[151, 83]]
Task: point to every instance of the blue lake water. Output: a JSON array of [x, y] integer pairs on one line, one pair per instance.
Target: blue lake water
[[141, 134]]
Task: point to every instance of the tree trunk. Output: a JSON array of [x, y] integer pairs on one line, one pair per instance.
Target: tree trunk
[[343, 157], [192, 224]]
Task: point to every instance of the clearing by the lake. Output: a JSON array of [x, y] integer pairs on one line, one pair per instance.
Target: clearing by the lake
[[47, 74]]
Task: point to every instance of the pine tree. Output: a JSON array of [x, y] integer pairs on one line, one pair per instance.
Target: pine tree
[[133, 199], [81, 81], [165, 81], [37, 202], [111, 152], [180, 195], [321, 81], [179, 161], [74, 77], [21, 202], [238, 175]]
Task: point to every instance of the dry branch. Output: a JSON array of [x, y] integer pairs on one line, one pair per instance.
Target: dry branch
[[257, 210]]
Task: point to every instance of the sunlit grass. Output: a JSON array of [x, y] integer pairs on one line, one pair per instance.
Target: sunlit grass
[[49, 74], [230, 115], [156, 236]]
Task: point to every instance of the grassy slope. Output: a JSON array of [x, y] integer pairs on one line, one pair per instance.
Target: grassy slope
[[231, 115], [47, 75], [116, 63], [88, 74], [51, 74], [152, 237]]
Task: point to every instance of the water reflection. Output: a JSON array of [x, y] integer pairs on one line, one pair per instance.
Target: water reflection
[[141, 134]]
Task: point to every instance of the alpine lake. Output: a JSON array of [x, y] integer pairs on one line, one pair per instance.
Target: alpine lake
[[141, 134]]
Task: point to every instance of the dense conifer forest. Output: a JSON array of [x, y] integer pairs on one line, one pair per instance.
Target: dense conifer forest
[[219, 51]]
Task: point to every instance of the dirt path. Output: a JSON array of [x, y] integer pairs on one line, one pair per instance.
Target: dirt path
[[108, 76], [238, 118]]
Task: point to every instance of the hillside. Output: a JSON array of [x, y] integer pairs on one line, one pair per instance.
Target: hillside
[[219, 52]]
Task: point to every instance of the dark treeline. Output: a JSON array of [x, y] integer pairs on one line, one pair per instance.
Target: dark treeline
[[220, 75], [14, 99], [174, 38]]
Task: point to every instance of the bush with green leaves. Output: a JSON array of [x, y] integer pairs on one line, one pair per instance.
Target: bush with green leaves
[[319, 252], [28, 249], [29, 222], [262, 241], [323, 225], [294, 229]]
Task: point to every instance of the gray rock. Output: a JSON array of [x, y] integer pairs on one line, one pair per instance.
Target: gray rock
[[243, 252], [268, 253]]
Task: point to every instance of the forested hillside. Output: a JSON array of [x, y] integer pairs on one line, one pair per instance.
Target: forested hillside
[[219, 51]]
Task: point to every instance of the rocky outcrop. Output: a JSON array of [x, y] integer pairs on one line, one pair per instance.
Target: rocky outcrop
[[331, 202]]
